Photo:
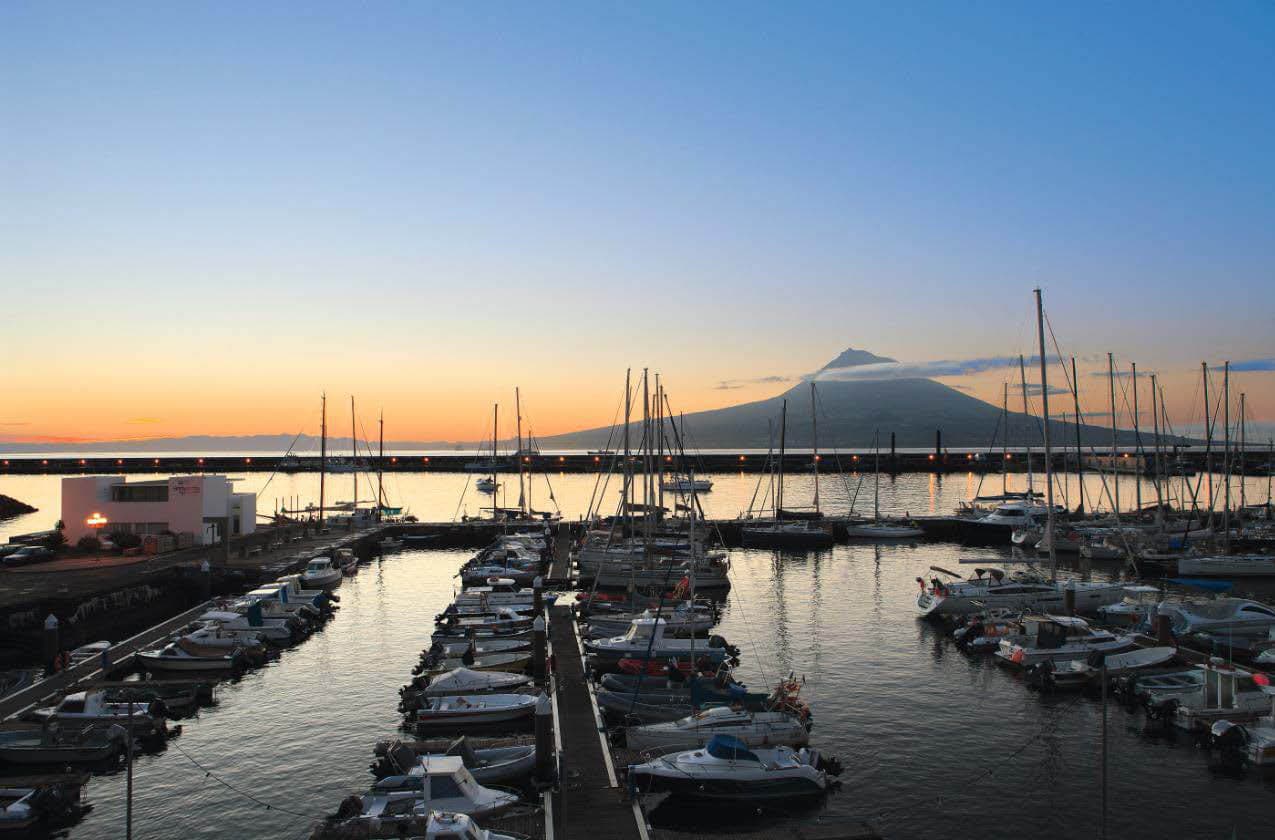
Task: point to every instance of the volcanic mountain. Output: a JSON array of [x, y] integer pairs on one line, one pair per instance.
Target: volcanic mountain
[[852, 410]]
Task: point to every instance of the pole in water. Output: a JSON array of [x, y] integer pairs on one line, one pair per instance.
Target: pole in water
[[1104, 748], [128, 801]]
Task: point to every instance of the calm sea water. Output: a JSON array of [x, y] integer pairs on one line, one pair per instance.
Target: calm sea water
[[935, 744]]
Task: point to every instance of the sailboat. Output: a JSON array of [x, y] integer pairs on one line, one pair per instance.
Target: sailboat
[[786, 530], [878, 529]]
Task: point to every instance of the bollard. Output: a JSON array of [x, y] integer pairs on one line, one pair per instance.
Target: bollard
[[1069, 600], [538, 595], [538, 646], [205, 580], [544, 739], [1163, 630], [52, 643]]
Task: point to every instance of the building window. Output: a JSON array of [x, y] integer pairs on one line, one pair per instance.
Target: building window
[[139, 493]]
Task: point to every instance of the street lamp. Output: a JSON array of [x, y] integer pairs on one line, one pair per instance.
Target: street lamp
[[96, 521]]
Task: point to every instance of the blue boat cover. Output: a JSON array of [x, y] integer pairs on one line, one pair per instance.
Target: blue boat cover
[[730, 748], [1204, 583]]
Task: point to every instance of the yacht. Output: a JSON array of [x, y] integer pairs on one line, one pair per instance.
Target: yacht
[[753, 729], [990, 589], [1220, 615], [727, 770], [1255, 565], [998, 526], [800, 533]]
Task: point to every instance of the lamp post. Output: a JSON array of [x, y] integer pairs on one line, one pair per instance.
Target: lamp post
[[97, 521]]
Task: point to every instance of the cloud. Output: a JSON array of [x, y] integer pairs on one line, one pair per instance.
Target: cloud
[[1033, 390], [1253, 366], [732, 384], [926, 370], [1122, 374]]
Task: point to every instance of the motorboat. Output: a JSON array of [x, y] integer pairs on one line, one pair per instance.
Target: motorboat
[[992, 589], [997, 526], [503, 618], [479, 648], [1226, 693], [84, 653], [1254, 742], [708, 572], [29, 808], [388, 544], [275, 629], [753, 729], [646, 639], [1077, 673], [683, 619], [346, 561], [508, 662], [1219, 615], [443, 783], [53, 746], [1056, 639], [797, 534], [184, 656], [686, 484], [885, 529], [473, 710], [486, 485], [211, 634], [86, 708], [726, 769], [1254, 565], [467, 681], [321, 572], [1137, 607], [487, 765], [296, 593], [983, 632]]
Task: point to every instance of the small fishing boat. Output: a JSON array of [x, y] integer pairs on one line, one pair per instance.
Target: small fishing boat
[[504, 618], [1226, 693], [1138, 606], [486, 485], [346, 560], [28, 807], [486, 765], [184, 656], [727, 769], [321, 572], [52, 745], [682, 619], [388, 544], [753, 729], [474, 710], [276, 630]]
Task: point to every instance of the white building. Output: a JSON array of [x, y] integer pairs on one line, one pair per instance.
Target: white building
[[184, 504]]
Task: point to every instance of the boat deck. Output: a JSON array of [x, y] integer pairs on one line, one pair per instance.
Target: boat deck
[[590, 801]]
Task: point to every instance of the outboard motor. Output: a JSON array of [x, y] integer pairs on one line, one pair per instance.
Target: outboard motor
[[1041, 676], [1160, 714], [1231, 741], [351, 806]]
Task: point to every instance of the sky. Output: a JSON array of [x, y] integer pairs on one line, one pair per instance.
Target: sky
[[210, 213]]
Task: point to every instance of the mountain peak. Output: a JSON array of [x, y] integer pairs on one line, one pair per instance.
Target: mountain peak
[[854, 358]]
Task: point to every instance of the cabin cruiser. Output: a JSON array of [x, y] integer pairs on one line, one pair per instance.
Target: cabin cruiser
[[1220, 615], [487, 765], [322, 573], [800, 533], [727, 769], [1057, 638], [991, 589], [998, 525], [500, 592], [753, 729], [86, 708], [646, 639]]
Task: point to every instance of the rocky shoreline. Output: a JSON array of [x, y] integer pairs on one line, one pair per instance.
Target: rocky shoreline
[[12, 507]]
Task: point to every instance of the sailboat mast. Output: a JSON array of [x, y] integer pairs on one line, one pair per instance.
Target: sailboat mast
[[1005, 441], [659, 440], [779, 493], [1137, 439], [1115, 466], [380, 464], [1226, 457], [1049, 466], [876, 477], [628, 464], [814, 441], [1155, 467], [354, 463], [495, 430], [1022, 376], [648, 497], [522, 498], [323, 453], [1208, 438], [1075, 400], [1243, 461]]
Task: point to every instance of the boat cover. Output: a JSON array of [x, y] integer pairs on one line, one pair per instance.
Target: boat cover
[[730, 748], [463, 680]]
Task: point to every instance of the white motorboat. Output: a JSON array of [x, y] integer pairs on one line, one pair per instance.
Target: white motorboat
[[1226, 693], [321, 572], [753, 729], [1219, 615], [885, 530], [474, 710], [686, 484], [727, 769], [275, 601], [990, 589], [1254, 741], [1254, 565], [183, 656], [647, 639], [297, 594], [488, 765], [211, 634], [479, 648], [1138, 606], [999, 524], [510, 662], [463, 681], [86, 708], [443, 783], [682, 619], [503, 618], [1057, 639], [84, 653], [486, 485], [274, 629], [51, 745], [1080, 672]]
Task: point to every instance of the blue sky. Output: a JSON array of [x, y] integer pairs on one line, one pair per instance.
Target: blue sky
[[470, 194]]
